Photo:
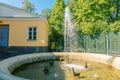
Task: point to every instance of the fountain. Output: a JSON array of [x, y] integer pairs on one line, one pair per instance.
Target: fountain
[[47, 66], [70, 35], [70, 40]]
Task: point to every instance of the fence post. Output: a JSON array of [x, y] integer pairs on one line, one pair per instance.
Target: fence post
[[84, 43], [118, 41], [110, 43], [107, 42]]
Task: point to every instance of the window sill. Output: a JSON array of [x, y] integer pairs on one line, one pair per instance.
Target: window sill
[[31, 40]]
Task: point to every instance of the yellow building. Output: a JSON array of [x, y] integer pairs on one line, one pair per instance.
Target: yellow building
[[23, 31]]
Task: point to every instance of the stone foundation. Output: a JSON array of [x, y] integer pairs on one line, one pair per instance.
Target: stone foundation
[[27, 49]]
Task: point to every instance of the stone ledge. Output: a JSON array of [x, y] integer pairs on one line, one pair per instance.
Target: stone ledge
[[8, 65], [100, 58]]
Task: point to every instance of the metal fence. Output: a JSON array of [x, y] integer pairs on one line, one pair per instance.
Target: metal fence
[[105, 43]]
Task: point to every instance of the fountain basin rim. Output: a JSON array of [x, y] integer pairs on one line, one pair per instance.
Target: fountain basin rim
[[8, 65]]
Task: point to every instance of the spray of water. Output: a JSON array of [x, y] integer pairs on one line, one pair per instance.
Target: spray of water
[[70, 34], [71, 39]]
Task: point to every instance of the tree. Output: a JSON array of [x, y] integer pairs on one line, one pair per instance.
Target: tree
[[47, 12], [57, 23], [115, 27], [28, 6], [94, 16], [117, 3]]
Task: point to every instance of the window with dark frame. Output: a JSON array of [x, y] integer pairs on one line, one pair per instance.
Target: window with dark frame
[[32, 32]]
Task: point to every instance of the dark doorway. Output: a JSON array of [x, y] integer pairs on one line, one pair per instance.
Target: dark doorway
[[4, 31]]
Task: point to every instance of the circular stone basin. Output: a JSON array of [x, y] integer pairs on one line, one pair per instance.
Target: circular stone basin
[[26, 67], [59, 71]]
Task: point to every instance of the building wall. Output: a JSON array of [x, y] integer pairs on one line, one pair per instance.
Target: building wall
[[18, 32]]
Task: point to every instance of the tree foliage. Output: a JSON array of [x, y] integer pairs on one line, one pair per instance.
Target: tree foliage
[[115, 27], [94, 16], [28, 6], [57, 22], [47, 12]]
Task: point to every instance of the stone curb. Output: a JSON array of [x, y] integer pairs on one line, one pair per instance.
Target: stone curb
[[8, 65]]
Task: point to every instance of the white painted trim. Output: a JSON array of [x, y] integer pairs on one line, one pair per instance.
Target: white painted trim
[[25, 18]]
